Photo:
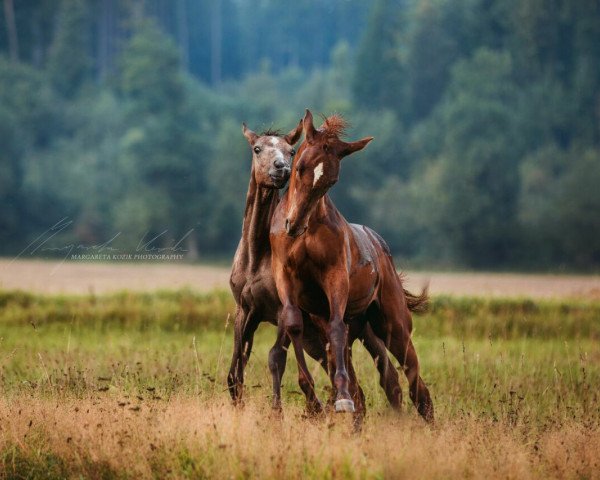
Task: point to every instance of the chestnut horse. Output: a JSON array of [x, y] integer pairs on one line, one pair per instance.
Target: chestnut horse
[[337, 271], [252, 281]]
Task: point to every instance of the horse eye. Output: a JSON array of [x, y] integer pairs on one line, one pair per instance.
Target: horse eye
[[293, 152], [325, 147], [256, 150]]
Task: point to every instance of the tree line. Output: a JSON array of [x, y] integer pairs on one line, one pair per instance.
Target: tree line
[[124, 117]]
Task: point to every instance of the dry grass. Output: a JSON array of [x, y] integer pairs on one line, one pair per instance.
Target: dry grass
[[187, 437], [82, 278], [133, 386]]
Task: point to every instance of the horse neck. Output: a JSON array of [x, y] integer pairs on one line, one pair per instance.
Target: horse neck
[[326, 208], [260, 205]]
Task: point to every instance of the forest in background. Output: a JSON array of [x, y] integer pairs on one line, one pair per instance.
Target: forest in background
[[124, 117]]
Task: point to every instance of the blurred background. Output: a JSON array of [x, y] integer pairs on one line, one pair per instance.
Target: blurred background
[[125, 116]]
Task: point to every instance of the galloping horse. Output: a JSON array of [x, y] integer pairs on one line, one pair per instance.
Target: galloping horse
[[337, 271], [252, 281]]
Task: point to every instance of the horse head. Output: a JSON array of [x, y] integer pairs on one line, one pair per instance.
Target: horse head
[[272, 155], [317, 168]]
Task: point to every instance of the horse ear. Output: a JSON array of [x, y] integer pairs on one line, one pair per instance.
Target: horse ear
[[249, 134], [293, 137], [309, 128], [351, 147]]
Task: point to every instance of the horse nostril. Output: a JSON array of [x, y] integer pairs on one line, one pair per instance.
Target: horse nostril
[[279, 164], [287, 225]]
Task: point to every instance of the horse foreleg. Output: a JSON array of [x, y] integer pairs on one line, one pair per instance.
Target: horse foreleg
[[341, 379], [277, 362], [244, 328], [357, 393]]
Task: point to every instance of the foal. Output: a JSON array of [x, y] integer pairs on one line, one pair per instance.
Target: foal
[[252, 281], [337, 271]]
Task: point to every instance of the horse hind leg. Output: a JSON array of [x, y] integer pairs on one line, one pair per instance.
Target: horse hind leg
[[388, 375], [315, 344], [403, 349], [292, 318], [397, 322], [418, 391]]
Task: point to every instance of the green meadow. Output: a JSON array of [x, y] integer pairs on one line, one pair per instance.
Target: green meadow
[[133, 385]]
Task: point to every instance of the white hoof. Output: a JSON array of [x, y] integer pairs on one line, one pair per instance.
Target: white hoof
[[344, 405]]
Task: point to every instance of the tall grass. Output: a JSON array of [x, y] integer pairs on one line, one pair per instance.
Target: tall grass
[[164, 310], [133, 386], [188, 438], [185, 310]]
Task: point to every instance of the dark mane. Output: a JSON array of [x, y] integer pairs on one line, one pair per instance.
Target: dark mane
[[334, 125], [271, 132]]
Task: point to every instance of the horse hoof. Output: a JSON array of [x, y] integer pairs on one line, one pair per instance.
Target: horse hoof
[[344, 405]]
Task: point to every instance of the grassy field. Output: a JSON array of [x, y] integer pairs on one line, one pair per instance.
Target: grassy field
[[132, 385]]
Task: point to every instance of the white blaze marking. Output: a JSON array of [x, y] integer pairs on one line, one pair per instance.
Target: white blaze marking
[[274, 141], [318, 173]]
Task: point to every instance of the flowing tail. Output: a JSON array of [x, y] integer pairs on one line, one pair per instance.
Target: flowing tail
[[416, 303]]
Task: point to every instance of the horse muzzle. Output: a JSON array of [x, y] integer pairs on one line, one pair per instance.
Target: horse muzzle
[[279, 176]]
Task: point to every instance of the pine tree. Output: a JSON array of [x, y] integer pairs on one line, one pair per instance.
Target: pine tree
[[70, 62], [378, 77], [161, 147], [474, 204]]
